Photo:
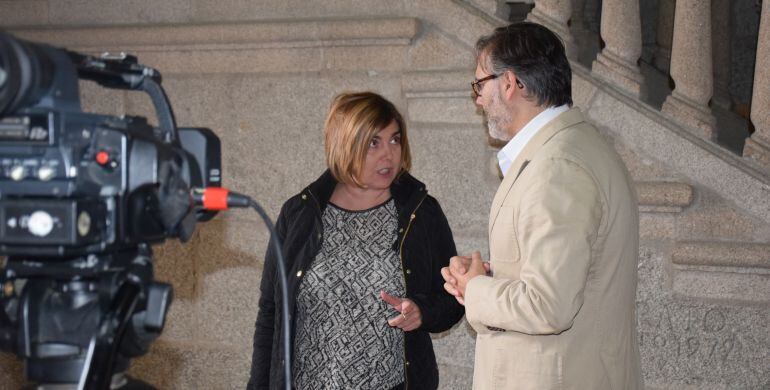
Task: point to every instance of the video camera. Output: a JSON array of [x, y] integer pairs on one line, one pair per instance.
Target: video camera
[[82, 198]]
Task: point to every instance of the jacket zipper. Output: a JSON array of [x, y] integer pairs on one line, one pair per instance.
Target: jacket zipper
[[403, 274], [302, 270]]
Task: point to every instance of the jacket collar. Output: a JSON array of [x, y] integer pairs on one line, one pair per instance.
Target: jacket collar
[[406, 191], [322, 189], [561, 122]]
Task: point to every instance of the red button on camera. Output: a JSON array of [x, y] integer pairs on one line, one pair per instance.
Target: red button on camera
[[102, 158]]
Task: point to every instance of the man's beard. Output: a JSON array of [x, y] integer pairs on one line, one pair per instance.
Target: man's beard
[[495, 131], [496, 124]]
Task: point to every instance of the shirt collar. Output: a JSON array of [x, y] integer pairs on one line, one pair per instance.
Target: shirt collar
[[507, 155]]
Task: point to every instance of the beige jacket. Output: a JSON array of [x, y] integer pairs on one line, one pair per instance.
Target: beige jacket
[[559, 311]]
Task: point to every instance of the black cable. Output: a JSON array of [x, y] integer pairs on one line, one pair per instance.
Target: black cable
[[217, 198], [284, 292]]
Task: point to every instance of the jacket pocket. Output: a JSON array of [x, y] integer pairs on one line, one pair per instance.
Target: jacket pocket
[[533, 371], [503, 245]]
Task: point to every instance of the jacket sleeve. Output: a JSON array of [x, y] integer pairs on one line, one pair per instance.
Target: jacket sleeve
[[556, 225], [265, 324], [440, 310]]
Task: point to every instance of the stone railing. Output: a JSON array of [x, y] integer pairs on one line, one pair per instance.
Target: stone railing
[[693, 59]]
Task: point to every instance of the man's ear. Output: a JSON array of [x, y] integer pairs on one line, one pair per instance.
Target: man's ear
[[510, 84]]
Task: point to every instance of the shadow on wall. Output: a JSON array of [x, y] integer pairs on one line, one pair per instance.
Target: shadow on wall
[[225, 242], [172, 373]]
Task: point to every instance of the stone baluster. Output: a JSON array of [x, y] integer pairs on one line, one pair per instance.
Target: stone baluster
[[591, 14], [621, 30], [664, 35], [586, 39], [579, 21], [721, 34], [691, 68], [758, 145], [555, 14]]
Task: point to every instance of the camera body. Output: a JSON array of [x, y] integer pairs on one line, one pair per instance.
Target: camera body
[[82, 198], [74, 183]]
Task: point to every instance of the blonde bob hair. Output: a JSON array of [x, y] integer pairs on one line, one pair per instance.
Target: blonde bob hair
[[353, 121]]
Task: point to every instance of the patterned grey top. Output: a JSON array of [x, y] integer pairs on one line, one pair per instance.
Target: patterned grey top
[[343, 340]]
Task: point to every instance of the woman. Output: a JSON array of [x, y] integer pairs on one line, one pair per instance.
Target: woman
[[364, 246]]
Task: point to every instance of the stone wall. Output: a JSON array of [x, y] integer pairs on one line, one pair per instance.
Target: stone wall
[[261, 74]]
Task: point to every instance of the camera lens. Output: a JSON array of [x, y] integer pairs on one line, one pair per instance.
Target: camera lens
[[9, 87], [26, 73]]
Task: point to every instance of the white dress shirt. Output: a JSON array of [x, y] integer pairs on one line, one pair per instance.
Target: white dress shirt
[[507, 155]]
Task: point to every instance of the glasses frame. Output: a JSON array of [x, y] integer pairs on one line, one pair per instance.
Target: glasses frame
[[476, 84]]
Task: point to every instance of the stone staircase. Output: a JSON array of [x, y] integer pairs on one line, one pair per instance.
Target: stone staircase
[[262, 73]]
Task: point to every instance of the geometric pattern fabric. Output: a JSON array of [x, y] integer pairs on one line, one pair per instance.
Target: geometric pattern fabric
[[343, 340]]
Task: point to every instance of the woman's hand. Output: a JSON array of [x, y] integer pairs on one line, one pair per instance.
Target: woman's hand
[[410, 317]]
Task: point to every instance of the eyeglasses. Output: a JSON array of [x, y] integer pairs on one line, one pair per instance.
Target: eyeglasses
[[476, 84]]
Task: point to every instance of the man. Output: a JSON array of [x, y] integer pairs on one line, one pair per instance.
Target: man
[[555, 307]]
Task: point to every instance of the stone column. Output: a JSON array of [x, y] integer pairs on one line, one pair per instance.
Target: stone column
[[555, 14], [758, 145], [664, 35], [691, 68], [721, 33], [621, 30]]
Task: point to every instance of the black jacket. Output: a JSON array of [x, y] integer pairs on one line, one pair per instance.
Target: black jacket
[[424, 243]]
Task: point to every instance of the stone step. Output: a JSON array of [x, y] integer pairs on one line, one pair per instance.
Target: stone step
[[664, 197], [737, 271], [715, 219], [723, 254]]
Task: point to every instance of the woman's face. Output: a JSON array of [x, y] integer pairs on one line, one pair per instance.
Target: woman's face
[[383, 159]]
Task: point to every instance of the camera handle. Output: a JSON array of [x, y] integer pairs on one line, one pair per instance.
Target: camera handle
[[122, 71], [163, 111]]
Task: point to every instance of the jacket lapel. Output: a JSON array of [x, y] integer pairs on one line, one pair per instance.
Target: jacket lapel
[[561, 122]]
